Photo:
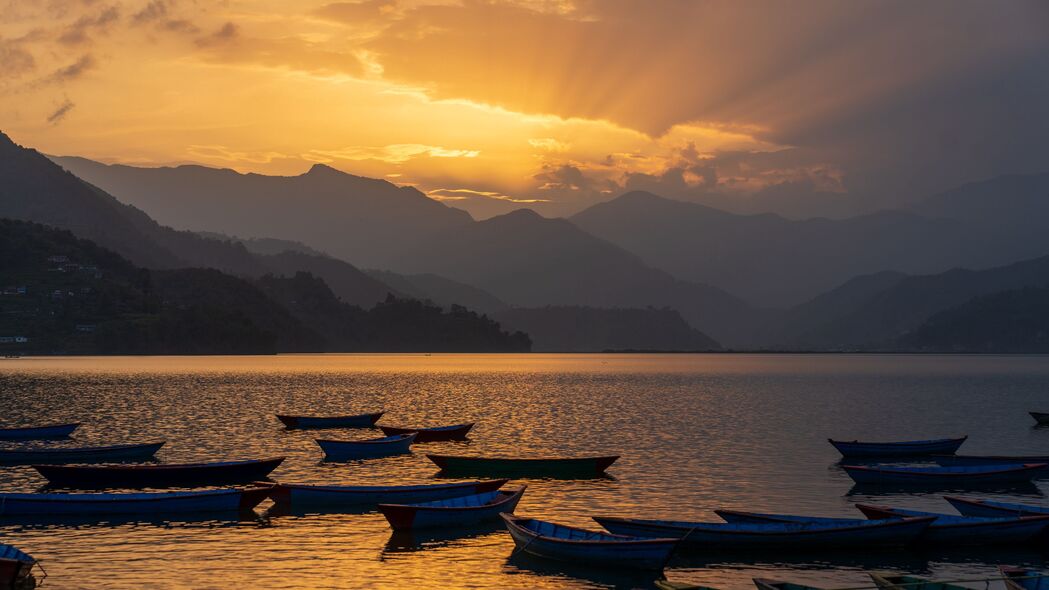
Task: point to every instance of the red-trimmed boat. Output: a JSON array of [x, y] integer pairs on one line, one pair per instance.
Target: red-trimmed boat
[[910, 448], [157, 476], [453, 512], [435, 434], [951, 529], [16, 568], [994, 508], [566, 543], [304, 422], [346, 450], [115, 453], [954, 460], [221, 500], [964, 475], [562, 467], [303, 496], [1021, 578], [38, 432]]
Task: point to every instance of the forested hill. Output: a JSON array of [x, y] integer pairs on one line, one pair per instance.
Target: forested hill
[[63, 295]]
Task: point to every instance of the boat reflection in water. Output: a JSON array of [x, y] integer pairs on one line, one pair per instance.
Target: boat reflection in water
[[435, 539]]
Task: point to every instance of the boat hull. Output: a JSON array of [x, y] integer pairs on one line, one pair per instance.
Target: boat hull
[[155, 476], [476, 509], [337, 450], [957, 460], [650, 554], [949, 530], [225, 500], [943, 476], [572, 467], [301, 496], [114, 453], [38, 432], [1040, 417], [319, 422], [844, 535], [853, 449], [987, 508], [16, 568], [424, 435], [1019, 578]]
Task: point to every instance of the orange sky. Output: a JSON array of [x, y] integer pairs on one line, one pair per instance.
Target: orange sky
[[491, 105]]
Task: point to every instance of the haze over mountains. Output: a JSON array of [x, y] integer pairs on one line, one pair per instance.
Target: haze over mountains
[[748, 281]]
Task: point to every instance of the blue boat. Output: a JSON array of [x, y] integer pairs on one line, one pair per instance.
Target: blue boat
[[115, 453], [943, 476], [954, 460], [38, 432], [909, 448], [303, 496], [453, 512], [345, 450], [947, 529], [432, 434], [1021, 578], [992, 508], [832, 534], [219, 500], [16, 568], [886, 581], [950, 529], [564, 543], [356, 421], [158, 476]]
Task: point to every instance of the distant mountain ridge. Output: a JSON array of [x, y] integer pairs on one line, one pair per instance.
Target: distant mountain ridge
[[362, 220]]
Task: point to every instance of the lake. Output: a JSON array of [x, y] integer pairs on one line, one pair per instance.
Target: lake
[[696, 432]]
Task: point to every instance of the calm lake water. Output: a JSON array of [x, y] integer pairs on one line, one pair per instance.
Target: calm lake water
[[696, 432]]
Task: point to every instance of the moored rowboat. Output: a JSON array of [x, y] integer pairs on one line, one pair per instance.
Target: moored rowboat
[[439, 433], [910, 448], [343, 450], [221, 500], [301, 496], [893, 582], [952, 460], [16, 568], [939, 476], [356, 421], [950, 529], [31, 432], [992, 508], [565, 543], [527, 467], [453, 512], [155, 476], [1040, 417], [1020, 578], [137, 452], [831, 534]]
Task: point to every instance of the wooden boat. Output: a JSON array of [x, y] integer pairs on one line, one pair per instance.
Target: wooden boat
[[31, 432], [531, 467], [155, 476], [296, 496], [767, 584], [1021, 578], [16, 568], [893, 582], [910, 448], [303, 422], [439, 433], [950, 529], [565, 543], [343, 450], [992, 508], [668, 585], [452, 512], [1040, 417], [951, 460], [939, 476], [138, 452], [220, 500], [834, 534]]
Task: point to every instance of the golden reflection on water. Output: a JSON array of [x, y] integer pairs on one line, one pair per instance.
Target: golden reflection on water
[[696, 432]]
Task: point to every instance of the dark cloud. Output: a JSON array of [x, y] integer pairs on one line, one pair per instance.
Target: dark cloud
[[153, 11], [224, 34], [79, 31], [73, 70], [60, 113], [15, 60]]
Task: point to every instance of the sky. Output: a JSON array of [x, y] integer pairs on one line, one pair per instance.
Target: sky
[[810, 107]]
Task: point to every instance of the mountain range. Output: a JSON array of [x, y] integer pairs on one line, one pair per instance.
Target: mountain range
[[748, 281]]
